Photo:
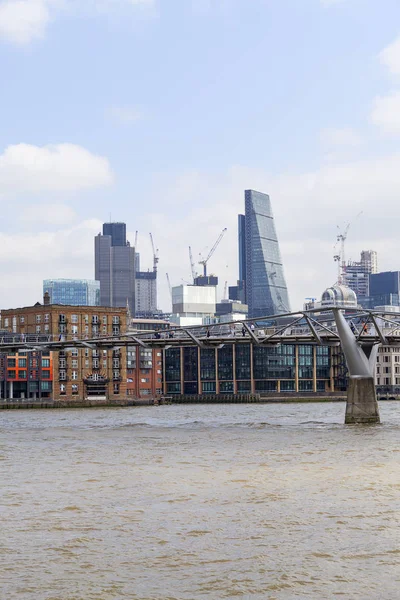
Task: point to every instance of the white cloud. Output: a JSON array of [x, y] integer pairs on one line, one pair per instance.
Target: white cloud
[[346, 136], [386, 113], [28, 258], [390, 57], [51, 214], [57, 168], [127, 115], [23, 21]]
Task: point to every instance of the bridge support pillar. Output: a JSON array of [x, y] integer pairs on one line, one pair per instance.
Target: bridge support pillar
[[362, 405]]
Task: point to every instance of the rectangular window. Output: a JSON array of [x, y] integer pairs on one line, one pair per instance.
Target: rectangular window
[[62, 389], [11, 374], [74, 329], [74, 363], [87, 363], [74, 389], [104, 319], [22, 319], [22, 374], [45, 374], [11, 362], [38, 328], [46, 318], [115, 320], [46, 328], [74, 318], [104, 364], [63, 375], [104, 328], [74, 375], [45, 362], [22, 362], [38, 318]]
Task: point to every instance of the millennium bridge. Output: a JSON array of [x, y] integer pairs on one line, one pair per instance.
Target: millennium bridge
[[359, 332]]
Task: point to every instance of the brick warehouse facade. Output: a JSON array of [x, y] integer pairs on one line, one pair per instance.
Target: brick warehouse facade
[[78, 373]]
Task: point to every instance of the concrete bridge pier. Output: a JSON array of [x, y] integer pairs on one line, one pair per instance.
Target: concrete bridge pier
[[362, 405]]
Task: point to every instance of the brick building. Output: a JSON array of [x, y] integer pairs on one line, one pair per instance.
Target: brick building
[[77, 373]]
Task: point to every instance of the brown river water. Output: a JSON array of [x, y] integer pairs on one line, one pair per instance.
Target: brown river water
[[199, 501]]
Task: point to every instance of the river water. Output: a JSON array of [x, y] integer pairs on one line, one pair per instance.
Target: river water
[[199, 501]]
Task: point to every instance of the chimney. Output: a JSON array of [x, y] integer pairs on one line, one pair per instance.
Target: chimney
[[46, 298]]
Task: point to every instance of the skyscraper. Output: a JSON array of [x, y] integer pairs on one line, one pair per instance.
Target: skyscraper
[[115, 267], [260, 261]]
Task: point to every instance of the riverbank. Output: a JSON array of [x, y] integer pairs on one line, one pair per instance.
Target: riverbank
[[21, 404]]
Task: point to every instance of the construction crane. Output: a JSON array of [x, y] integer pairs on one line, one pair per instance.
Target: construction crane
[[155, 254], [340, 257], [169, 286], [192, 265], [205, 261], [226, 291], [136, 234]]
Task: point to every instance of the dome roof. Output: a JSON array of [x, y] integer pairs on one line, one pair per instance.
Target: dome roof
[[339, 295]]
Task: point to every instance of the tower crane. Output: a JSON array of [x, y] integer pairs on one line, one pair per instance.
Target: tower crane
[[192, 265], [226, 291], [205, 261], [169, 286], [340, 257], [155, 254]]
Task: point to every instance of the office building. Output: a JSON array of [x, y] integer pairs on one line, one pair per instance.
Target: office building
[[356, 274], [115, 267], [193, 304], [145, 291], [260, 263], [74, 292], [384, 289], [247, 368]]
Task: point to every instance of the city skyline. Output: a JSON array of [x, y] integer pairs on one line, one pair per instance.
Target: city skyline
[[91, 142]]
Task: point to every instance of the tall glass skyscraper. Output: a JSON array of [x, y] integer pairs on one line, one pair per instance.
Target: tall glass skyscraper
[[260, 259], [73, 292]]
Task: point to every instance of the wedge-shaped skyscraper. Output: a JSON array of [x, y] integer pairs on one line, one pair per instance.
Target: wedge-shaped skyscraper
[[260, 260]]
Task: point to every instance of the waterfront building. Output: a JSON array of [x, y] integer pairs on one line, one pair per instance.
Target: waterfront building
[[260, 262], [26, 374], [115, 267], [77, 373], [193, 304], [74, 292], [247, 368], [357, 274]]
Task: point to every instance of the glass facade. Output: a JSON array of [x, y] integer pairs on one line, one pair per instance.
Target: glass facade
[[73, 292], [266, 290], [245, 368]]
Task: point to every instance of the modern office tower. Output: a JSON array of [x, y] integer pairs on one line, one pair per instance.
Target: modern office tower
[[356, 275], [115, 267], [260, 260], [384, 289], [74, 292]]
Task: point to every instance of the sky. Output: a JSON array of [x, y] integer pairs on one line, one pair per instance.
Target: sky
[[160, 113]]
